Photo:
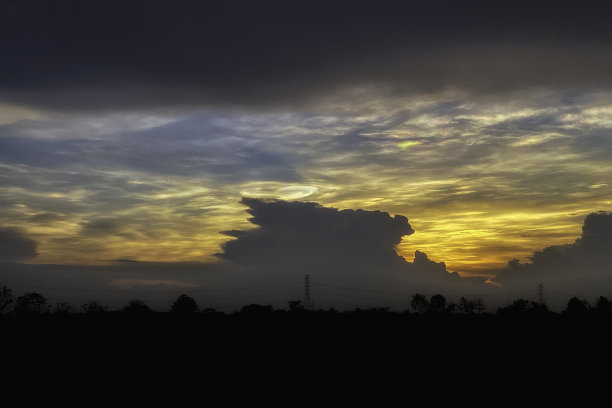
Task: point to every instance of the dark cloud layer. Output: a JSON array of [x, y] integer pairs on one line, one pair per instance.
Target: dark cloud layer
[[583, 262], [110, 54], [15, 245]]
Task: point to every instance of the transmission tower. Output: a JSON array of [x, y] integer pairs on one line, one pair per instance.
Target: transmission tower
[[540, 293], [307, 301]]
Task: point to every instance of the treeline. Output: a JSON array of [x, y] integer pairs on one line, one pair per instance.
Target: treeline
[[33, 303]]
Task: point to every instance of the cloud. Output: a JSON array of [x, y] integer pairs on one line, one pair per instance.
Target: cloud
[[471, 156], [127, 283], [15, 245], [45, 218], [585, 263], [294, 238], [101, 227], [422, 263], [226, 146], [111, 55], [315, 236]]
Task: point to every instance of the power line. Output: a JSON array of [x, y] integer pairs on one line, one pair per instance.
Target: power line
[[359, 297], [361, 290], [142, 290], [408, 294]]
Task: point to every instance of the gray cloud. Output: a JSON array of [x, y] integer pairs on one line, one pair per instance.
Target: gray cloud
[[45, 218], [422, 263], [112, 55], [315, 236], [15, 245], [293, 238], [101, 227], [199, 145], [582, 268]]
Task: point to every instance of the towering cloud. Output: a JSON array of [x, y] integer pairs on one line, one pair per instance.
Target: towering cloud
[[15, 245], [588, 258], [308, 234], [352, 246]]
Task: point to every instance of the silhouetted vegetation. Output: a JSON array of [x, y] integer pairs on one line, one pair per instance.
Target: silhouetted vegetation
[[296, 306], [422, 307], [184, 304], [136, 306], [31, 303], [93, 307], [63, 308], [523, 306], [256, 309], [603, 305], [577, 306], [6, 299], [419, 303], [437, 304]]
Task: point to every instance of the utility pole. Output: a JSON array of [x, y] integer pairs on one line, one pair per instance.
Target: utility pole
[[307, 301]]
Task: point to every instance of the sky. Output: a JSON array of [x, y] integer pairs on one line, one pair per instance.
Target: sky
[[467, 141]]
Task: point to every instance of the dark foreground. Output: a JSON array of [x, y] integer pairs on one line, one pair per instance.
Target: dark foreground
[[374, 353], [368, 333]]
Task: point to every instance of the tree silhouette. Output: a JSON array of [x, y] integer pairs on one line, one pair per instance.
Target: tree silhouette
[[31, 303], [577, 306], [537, 307], [184, 304], [479, 305], [210, 311], [517, 306], [256, 309], [437, 304], [92, 307], [6, 299], [603, 305], [452, 308], [63, 308], [136, 306], [466, 306], [296, 306], [419, 303]]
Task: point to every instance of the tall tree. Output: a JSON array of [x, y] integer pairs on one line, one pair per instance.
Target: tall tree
[[6, 299], [419, 303], [577, 306], [437, 303], [184, 304], [603, 305]]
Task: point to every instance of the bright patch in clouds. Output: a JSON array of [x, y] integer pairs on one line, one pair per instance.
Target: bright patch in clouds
[[407, 144], [271, 190]]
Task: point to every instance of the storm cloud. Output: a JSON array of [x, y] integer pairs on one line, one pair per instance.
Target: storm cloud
[[315, 236], [293, 238], [113, 54], [15, 245], [584, 266]]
